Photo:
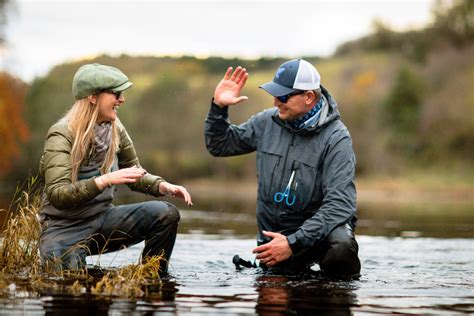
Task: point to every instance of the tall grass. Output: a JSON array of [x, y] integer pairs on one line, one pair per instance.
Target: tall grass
[[19, 252], [21, 265]]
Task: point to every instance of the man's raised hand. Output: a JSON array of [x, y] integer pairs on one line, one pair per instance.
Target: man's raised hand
[[228, 90]]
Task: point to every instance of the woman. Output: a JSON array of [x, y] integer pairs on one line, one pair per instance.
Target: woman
[[86, 154]]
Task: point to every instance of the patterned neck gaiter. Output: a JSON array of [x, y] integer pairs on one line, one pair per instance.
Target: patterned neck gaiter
[[312, 116]]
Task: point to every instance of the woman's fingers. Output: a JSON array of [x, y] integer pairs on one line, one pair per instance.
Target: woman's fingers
[[130, 180], [127, 175], [182, 193], [134, 172], [187, 197]]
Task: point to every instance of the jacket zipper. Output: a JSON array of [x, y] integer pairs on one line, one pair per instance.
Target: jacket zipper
[[284, 172]]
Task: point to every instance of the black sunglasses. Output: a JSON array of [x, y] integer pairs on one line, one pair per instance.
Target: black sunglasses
[[285, 98], [117, 94]]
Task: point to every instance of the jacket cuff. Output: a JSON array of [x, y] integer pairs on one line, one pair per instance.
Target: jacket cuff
[[215, 109], [294, 243], [92, 187]]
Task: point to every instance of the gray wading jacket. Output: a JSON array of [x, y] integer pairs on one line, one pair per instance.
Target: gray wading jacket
[[323, 161]]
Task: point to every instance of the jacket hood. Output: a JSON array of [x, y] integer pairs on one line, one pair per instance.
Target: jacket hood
[[333, 115]]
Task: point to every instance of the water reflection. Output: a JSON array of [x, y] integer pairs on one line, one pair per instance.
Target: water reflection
[[84, 305], [157, 298], [302, 296]]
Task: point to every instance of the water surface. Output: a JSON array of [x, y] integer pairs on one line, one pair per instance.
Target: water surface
[[399, 275]]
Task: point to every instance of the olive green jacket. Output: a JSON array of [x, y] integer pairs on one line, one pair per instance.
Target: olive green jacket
[[79, 199]]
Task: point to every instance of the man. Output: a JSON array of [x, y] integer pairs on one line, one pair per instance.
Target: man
[[306, 203]]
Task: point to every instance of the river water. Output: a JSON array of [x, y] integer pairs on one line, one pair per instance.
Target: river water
[[400, 275]]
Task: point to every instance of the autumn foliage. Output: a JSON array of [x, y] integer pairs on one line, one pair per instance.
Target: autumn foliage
[[13, 129]]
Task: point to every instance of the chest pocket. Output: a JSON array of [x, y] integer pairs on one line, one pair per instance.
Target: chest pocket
[[308, 182], [269, 170]]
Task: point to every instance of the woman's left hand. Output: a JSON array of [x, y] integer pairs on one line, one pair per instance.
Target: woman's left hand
[[175, 190]]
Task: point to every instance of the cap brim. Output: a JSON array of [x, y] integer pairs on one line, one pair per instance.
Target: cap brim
[[276, 89], [122, 87]]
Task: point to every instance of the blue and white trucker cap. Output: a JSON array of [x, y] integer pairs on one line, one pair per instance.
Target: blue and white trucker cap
[[291, 76]]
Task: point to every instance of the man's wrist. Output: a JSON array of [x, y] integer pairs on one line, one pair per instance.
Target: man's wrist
[[288, 244], [293, 243], [219, 104], [218, 110]]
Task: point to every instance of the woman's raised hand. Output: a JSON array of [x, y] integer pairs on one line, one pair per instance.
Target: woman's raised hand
[[228, 90]]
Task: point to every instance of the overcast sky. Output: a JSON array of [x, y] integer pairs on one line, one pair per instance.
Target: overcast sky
[[41, 34]]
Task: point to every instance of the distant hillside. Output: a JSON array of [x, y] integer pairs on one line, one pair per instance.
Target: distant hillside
[[166, 108]]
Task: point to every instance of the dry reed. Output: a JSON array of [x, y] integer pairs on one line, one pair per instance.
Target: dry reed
[[20, 261], [19, 252]]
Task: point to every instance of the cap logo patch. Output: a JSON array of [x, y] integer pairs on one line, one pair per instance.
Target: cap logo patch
[[279, 72]]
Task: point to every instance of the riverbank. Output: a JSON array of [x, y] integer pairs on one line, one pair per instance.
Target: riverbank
[[415, 188]]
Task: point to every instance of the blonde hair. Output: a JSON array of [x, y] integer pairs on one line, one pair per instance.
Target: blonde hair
[[81, 118]]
